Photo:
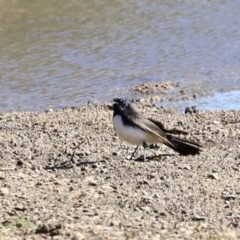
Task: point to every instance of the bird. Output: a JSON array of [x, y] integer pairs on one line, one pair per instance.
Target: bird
[[138, 130]]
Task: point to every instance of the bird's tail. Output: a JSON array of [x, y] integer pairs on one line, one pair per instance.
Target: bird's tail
[[183, 146]]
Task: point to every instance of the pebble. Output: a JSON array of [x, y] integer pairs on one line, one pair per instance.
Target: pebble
[[229, 197], [199, 218], [191, 110], [213, 176], [155, 98], [4, 191]]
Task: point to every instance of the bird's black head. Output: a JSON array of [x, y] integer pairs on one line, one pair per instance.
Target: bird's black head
[[121, 103], [123, 107]]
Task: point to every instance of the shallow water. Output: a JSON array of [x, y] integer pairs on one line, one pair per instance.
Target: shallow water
[[63, 53], [219, 101]]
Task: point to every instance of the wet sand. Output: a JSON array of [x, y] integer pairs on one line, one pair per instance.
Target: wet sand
[[65, 174]]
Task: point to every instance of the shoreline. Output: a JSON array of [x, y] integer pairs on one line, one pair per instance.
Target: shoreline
[[102, 194], [179, 94]]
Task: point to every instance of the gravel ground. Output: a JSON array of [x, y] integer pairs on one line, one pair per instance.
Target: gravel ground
[[66, 175]]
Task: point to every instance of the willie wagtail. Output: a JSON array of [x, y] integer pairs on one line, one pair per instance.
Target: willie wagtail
[[135, 129]]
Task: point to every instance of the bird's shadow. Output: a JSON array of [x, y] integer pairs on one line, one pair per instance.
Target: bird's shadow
[[70, 163], [153, 158]]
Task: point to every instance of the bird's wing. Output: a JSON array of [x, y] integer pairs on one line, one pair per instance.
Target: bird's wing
[[173, 131], [150, 127]]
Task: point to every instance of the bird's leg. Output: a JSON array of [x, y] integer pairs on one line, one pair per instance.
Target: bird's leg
[[144, 149], [134, 152]]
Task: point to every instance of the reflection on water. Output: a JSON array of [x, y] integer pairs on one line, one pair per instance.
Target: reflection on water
[[62, 53]]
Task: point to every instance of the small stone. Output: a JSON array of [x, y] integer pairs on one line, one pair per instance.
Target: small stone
[[87, 153], [115, 223], [146, 209], [213, 176], [163, 178], [19, 163], [199, 218], [91, 181], [115, 153], [155, 98], [184, 166], [229, 197], [106, 186], [163, 214], [191, 110], [4, 191]]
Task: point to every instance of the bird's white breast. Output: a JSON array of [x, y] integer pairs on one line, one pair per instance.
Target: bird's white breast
[[132, 135]]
